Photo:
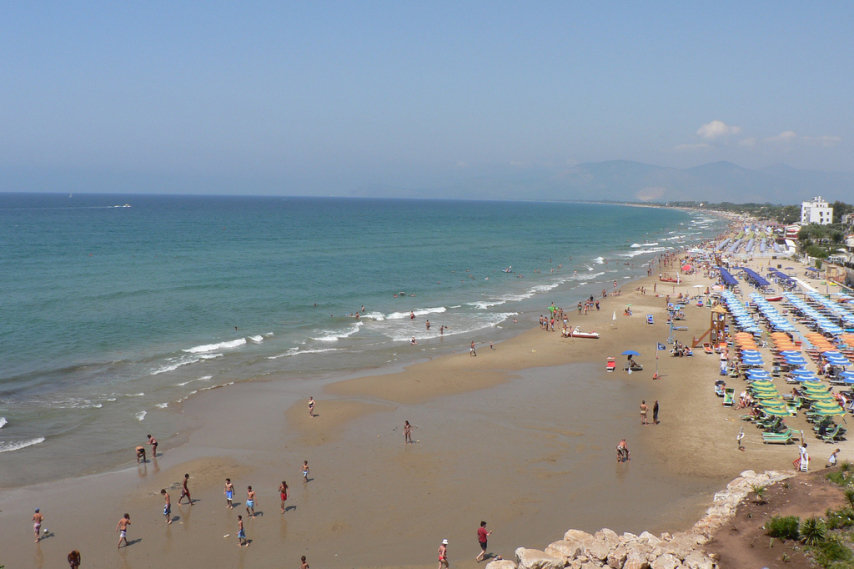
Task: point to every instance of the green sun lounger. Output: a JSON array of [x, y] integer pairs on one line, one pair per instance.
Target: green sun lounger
[[777, 438]]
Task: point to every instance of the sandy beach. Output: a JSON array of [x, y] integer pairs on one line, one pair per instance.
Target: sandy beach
[[521, 436]]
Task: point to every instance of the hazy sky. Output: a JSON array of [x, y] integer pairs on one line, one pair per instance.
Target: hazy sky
[[321, 97]]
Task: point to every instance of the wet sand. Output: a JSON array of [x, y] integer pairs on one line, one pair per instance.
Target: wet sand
[[522, 436]]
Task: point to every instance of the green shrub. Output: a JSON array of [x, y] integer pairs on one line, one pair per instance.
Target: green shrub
[[783, 527], [813, 530], [758, 492], [849, 495], [842, 518], [832, 553]]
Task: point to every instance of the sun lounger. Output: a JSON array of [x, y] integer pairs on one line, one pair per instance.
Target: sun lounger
[[611, 365], [649, 319], [707, 347], [777, 438], [728, 397]]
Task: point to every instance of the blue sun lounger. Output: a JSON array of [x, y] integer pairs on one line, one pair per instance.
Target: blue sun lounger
[[649, 319]]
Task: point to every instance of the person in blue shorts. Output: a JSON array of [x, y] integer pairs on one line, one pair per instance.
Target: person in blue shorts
[[229, 493], [167, 508]]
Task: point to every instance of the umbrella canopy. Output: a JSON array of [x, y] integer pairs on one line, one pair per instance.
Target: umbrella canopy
[[686, 267], [630, 353], [775, 412], [831, 413]]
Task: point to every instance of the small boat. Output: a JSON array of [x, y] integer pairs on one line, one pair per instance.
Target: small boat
[[577, 333], [773, 298], [611, 365], [667, 278]]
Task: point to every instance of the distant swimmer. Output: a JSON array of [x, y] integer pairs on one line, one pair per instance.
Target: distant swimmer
[[363, 308], [412, 342], [442, 330], [428, 324], [411, 315]]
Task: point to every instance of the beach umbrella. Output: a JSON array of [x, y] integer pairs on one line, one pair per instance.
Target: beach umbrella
[[830, 412], [686, 267], [802, 372], [775, 411], [630, 353]]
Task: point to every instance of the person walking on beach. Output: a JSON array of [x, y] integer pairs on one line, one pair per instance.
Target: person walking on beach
[[283, 494], [407, 432], [623, 451], [140, 454], [311, 407], [305, 471], [303, 563], [482, 536], [643, 410], [241, 533], [167, 508], [655, 412], [831, 462], [74, 559], [250, 501], [185, 490], [153, 442], [229, 493], [472, 351], [739, 438], [38, 518], [443, 555], [122, 527]]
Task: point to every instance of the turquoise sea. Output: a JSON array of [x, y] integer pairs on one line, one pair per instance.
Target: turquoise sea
[[115, 308]]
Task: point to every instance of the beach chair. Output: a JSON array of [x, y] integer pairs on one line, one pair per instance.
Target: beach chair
[[649, 319], [729, 394], [707, 347], [611, 365], [777, 438]]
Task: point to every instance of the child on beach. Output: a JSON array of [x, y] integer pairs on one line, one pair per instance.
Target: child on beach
[[303, 563], [38, 518], [241, 534], [229, 493], [185, 490], [167, 508], [123, 528], [250, 501], [305, 471]]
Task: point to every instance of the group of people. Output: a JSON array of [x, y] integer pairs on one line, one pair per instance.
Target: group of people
[[482, 540]]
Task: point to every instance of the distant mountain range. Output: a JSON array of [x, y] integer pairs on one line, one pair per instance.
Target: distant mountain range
[[623, 180]]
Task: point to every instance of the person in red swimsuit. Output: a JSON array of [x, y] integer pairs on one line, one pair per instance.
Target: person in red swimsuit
[[443, 555], [283, 494]]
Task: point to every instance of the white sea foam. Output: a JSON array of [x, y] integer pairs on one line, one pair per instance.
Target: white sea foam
[[135, 394], [417, 312], [141, 415], [599, 260], [378, 316], [489, 320], [203, 378], [3, 422], [162, 405], [175, 363], [18, 445], [335, 335], [214, 347], [257, 339], [298, 352]]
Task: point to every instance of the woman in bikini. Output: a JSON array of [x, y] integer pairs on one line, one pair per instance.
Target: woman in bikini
[[283, 494], [407, 432]]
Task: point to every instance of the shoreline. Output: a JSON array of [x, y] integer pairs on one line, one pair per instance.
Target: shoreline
[[513, 369]]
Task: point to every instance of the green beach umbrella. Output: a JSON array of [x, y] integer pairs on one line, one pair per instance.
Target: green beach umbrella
[[831, 412], [775, 411]]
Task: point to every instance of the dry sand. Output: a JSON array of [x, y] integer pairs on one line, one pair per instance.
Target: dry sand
[[522, 436]]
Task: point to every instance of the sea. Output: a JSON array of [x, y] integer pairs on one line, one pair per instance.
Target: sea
[[114, 309]]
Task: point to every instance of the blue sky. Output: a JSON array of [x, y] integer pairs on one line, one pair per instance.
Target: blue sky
[[321, 97]]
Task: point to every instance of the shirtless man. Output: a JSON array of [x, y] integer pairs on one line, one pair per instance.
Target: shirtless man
[[167, 508], [229, 493], [140, 454], [303, 563], [305, 471], [185, 491], [311, 407], [250, 501], [623, 451], [428, 324], [37, 524], [123, 528], [74, 559], [643, 410], [443, 555], [153, 442]]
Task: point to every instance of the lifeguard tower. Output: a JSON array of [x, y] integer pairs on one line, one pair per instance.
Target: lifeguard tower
[[717, 327]]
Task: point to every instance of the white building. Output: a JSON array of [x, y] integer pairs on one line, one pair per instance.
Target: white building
[[816, 211]]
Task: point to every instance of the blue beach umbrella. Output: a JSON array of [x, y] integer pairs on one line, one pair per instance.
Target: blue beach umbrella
[[630, 353]]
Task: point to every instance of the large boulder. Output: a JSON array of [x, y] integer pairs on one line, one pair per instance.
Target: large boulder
[[666, 561], [569, 550], [617, 557], [501, 564], [577, 535], [536, 559], [635, 560], [609, 537], [696, 560]]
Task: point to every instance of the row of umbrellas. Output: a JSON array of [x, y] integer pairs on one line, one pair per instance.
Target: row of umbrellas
[[743, 320], [775, 319], [821, 321], [832, 307]]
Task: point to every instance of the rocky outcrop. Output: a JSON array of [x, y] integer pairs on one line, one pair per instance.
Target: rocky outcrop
[[606, 549]]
